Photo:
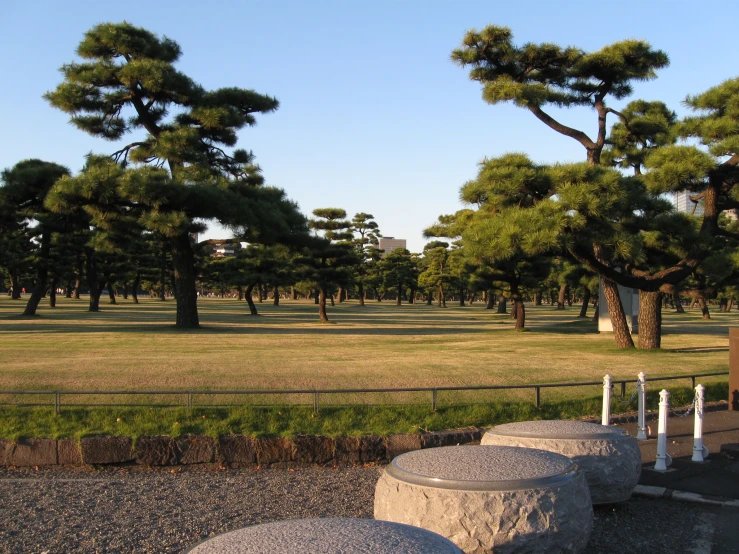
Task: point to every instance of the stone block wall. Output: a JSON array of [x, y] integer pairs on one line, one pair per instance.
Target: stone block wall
[[229, 450]]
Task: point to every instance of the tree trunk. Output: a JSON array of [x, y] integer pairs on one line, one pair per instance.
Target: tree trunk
[[616, 312], [412, 296], [135, 288], [42, 275], [596, 313], [650, 320], [585, 301], [163, 276], [502, 305], [491, 300], [518, 307], [537, 299], [92, 280], [429, 298], [340, 295], [461, 297], [722, 303], [399, 299], [240, 289], [730, 304], [111, 291], [360, 290], [442, 299], [68, 290], [514, 313], [125, 290], [78, 269], [678, 303], [15, 285], [184, 276], [562, 296], [322, 306], [250, 300], [473, 297], [703, 305], [276, 294], [52, 291], [293, 293], [316, 295]]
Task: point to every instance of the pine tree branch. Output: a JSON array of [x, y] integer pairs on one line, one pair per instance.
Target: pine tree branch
[[552, 123], [641, 280], [726, 233]]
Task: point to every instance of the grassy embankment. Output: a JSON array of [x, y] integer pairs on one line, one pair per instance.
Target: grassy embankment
[[135, 347]]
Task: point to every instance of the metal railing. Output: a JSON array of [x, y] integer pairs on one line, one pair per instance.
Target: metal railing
[[188, 395]]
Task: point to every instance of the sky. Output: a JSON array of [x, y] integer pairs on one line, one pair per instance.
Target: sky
[[373, 116]]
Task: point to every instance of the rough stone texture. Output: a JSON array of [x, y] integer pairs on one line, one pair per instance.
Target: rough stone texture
[[327, 536], [195, 449], [4, 449], [450, 438], [483, 464], [68, 452], [313, 449], [156, 451], [612, 464], [274, 449], [106, 450], [400, 444], [32, 452], [347, 451], [555, 518], [557, 428], [237, 449], [372, 449]]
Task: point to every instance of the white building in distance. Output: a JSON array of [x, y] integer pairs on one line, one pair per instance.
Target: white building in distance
[[388, 244]]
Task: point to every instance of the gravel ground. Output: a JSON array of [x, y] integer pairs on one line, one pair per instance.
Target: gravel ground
[[131, 510]]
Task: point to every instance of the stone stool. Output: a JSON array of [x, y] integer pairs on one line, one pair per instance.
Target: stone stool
[[327, 536], [489, 498], [610, 458]]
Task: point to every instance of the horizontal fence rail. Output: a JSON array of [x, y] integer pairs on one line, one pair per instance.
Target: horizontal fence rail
[[188, 395]]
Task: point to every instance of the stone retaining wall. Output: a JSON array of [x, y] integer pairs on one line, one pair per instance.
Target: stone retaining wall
[[244, 451], [231, 450]]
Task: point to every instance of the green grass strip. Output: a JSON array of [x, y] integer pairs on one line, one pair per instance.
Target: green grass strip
[[40, 422]]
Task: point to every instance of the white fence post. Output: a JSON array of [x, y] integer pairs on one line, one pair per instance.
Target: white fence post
[[642, 403], [607, 388], [700, 452], [663, 458]]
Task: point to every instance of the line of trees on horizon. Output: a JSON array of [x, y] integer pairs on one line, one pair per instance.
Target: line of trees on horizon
[[128, 219]]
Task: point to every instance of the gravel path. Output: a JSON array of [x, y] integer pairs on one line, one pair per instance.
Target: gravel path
[[131, 510]]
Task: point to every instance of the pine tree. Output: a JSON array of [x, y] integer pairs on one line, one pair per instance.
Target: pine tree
[[128, 83], [535, 76], [26, 185]]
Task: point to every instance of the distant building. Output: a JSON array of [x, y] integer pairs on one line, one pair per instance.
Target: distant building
[[222, 248], [684, 204], [388, 244]]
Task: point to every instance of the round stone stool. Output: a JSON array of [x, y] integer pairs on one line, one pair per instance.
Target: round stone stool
[[327, 536], [489, 498], [610, 458]]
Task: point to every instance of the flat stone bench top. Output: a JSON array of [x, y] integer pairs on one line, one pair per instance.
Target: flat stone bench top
[[327, 536], [559, 429], [482, 468]]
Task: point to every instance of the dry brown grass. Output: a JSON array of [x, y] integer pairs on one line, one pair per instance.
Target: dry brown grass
[[133, 347]]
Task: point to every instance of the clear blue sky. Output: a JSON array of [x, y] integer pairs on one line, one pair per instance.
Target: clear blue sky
[[373, 116]]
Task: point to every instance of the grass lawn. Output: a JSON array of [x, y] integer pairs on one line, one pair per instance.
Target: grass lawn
[[136, 347]]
